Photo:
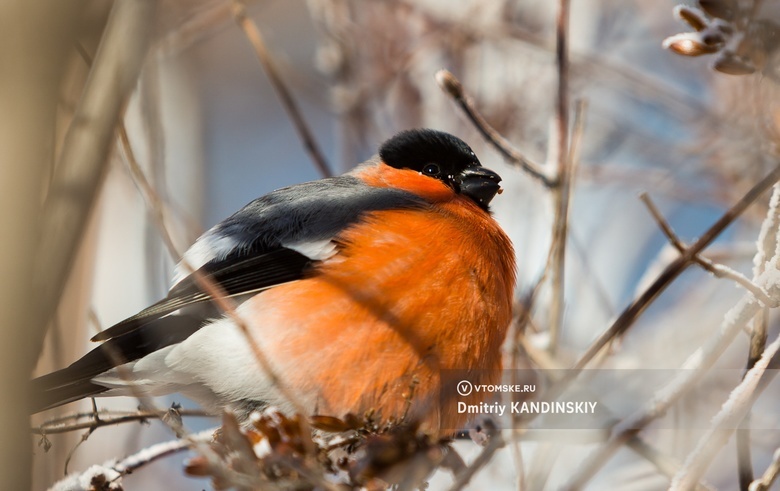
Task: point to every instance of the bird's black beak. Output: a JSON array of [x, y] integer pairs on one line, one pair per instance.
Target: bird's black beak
[[479, 184]]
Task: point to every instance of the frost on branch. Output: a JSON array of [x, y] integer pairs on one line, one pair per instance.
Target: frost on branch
[[96, 478]]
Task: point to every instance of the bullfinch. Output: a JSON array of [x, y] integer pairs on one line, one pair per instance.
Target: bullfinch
[[355, 288]]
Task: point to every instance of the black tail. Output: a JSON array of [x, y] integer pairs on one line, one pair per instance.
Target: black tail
[[75, 382], [47, 394]]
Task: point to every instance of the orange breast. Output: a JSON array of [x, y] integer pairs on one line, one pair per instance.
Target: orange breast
[[412, 292]]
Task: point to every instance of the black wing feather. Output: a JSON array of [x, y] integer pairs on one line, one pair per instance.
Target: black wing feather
[[259, 260]]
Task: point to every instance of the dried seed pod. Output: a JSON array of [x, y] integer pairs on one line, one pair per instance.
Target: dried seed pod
[[721, 9], [689, 44], [691, 16], [731, 64]]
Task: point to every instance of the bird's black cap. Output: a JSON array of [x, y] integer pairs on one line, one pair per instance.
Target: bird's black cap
[[445, 157]]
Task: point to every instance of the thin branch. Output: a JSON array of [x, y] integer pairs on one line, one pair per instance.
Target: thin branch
[[158, 451], [561, 192], [83, 438], [112, 470], [694, 368], [255, 37], [583, 65], [767, 247], [452, 87], [208, 286], [577, 134], [674, 269], [718, 270], [697, 364], [764, 483], [107, 418], [732, 412], [757, 338], [665, 464], [495, 443]]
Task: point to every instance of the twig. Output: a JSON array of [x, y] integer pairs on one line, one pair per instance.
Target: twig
[[731, 413], [764, 483], [674, 269], [577, 134], [562, 192], [665, 464], [584, 65], [154, 203], [519, 325], [695, 366], [495, 443], [209, 287], [452, 87], [757, 338], [768, 246], [83, 438], [255, 37], [107, 418], [717, 270]]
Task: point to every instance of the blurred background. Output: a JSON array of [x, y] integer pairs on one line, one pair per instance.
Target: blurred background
[[209, 132]]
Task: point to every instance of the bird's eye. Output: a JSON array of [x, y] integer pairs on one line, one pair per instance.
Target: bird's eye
[[431, 170]]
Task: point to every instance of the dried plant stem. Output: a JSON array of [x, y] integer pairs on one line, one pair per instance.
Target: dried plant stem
[[255, 37], [452, 87]]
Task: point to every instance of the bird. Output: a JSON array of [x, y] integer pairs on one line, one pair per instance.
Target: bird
[[359, 290]]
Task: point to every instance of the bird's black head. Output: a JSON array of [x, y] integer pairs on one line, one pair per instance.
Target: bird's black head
[[444, 157]]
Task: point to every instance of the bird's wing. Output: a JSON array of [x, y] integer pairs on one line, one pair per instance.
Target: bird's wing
[[273, 240]]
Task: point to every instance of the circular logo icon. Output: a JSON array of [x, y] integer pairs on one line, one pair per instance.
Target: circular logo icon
[[464, 387]]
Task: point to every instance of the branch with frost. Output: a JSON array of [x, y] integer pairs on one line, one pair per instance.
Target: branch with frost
[[673, 270], [741, 398], [731, 413], [697, 364], [108, 475]]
